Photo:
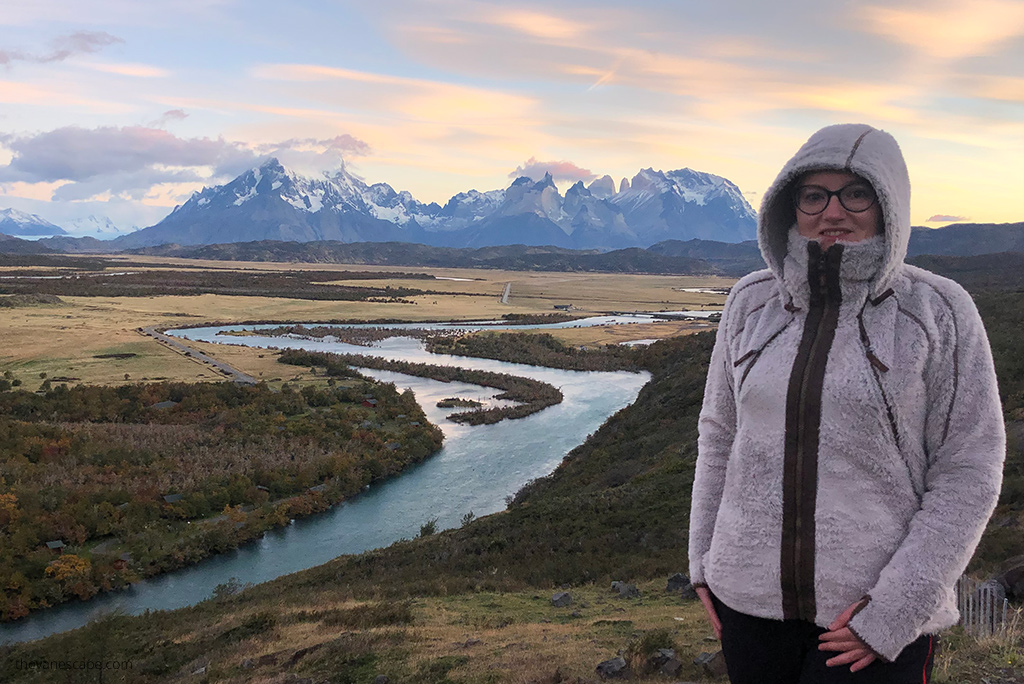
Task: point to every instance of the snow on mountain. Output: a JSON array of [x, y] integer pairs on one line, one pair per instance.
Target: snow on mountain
[[271, 202], [21, 224], [658, 203], [94, 226], [462, 210], [541, 198]]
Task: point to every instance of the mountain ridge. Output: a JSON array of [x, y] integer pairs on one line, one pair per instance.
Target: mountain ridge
[[276, 203]]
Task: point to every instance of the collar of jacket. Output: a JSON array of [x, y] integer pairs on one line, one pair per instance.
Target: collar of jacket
[[859, 267]]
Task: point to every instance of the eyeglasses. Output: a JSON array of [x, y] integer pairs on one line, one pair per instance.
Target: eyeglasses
[[855, 197]]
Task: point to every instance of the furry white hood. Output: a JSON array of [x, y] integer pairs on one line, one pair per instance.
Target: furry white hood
[[858, 148]]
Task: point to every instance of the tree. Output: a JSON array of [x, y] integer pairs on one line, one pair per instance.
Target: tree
[[9, 511], [72, 574]]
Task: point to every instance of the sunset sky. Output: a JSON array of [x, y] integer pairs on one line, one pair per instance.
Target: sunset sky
[[123, 108]]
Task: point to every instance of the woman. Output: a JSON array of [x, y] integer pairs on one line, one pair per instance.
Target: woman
[[851, 437]]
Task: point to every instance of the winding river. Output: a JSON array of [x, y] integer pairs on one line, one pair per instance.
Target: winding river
[[474, 472]]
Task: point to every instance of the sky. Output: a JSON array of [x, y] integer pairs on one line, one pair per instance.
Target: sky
[[124, 108]]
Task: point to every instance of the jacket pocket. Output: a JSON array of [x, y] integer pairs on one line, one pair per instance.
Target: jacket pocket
[[751, 357], [887, 407], [890, 414]]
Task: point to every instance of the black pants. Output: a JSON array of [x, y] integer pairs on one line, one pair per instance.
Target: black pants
[[761, 651]]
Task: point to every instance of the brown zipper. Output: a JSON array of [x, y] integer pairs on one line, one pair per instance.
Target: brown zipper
[[803, 422]]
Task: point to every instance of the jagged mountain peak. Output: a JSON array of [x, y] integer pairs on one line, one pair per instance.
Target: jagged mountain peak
[[579, 189], [603, 187]]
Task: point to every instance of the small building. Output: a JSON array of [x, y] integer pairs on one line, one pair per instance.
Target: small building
[[122, 562], [370, 403], [172, 498], [56, 545], [164, 404], [563, 307]]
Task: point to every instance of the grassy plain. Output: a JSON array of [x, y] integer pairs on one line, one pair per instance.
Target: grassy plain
[[64, 340]]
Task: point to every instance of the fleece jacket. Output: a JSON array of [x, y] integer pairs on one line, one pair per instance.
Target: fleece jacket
[[851, 438]]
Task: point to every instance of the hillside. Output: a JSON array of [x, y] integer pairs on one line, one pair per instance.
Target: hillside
[[998, 271], [615, 509], [503, 257], [968, 239]]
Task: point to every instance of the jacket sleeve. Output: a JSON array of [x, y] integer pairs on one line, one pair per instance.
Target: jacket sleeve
[[716, 430], [965, 443]]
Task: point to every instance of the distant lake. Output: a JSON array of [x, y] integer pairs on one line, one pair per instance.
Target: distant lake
[[476, 469]]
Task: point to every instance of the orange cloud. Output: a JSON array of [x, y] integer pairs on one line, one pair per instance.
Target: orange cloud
[[951, 30], [997, 88], [538, 24]]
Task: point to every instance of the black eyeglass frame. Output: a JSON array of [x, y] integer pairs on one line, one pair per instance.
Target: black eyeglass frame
[[837, 194]]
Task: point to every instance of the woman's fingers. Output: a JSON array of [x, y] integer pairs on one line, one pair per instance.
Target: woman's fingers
[[863, 662], [855, 656], [851, 649], [846, 615], [843, 618], [852, 645], [704, 594]]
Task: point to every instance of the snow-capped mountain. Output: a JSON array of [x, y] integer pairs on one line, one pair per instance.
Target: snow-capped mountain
[[94, 226], [271, 202], [21, 224], [657, 203]]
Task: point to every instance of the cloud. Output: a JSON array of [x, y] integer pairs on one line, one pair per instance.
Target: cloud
[[78, 43], [1004, 88], [403, 98], [131, 160], [946, 218], [169, 116], [81, 154], [310, 155], [951, 29], [559, 170], [539, 25]]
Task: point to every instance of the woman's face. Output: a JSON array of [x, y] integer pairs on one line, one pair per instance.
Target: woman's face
[[836, 222]]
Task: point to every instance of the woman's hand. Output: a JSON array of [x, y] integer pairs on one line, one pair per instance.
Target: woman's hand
[[840, 638], [704, 594]]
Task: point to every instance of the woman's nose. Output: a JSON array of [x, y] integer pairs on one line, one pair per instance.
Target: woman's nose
[[834, 208]]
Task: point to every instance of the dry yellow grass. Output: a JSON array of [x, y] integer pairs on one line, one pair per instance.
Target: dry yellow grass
[[511, 638], [62, 341], [525, 639]]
